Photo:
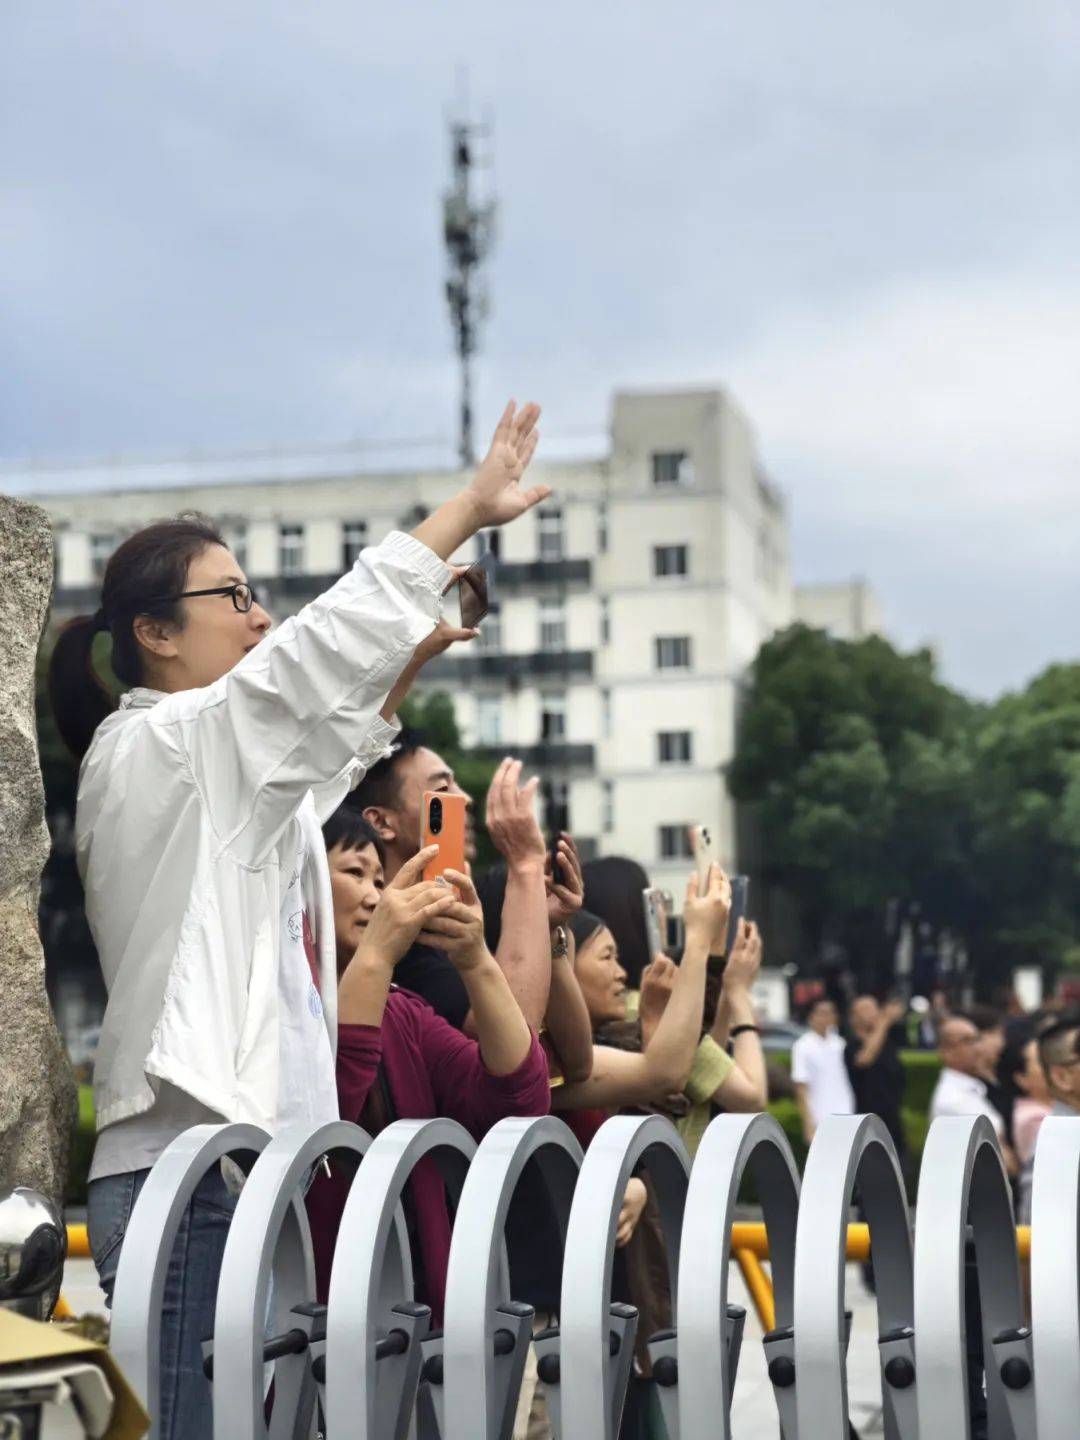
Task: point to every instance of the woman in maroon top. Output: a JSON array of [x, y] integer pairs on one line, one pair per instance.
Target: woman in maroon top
[[397, 1059]]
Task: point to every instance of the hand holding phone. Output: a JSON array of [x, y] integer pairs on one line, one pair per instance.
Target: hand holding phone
[[740, 899], [443, 824], [655, 909], [471, 592]]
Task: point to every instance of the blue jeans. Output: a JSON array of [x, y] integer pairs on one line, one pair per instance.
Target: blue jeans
[[187, 1316]]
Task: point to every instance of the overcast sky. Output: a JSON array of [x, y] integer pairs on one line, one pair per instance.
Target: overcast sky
[[221, 230]]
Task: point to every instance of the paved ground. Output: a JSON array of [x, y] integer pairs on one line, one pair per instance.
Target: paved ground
[[753, 1411]]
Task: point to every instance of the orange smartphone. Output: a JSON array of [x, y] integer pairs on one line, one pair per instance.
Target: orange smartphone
[[443, 824]]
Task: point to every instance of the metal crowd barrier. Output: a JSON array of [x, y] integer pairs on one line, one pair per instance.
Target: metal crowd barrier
[[368, 1364]]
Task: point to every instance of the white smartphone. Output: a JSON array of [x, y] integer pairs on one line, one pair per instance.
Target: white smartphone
[[703, 844]]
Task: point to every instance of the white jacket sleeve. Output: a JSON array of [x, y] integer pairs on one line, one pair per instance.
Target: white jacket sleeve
[[305, 704]]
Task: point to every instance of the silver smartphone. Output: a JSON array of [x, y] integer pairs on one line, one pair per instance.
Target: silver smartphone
[[661, 924]]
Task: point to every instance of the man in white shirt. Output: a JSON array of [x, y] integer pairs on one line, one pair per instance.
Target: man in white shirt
[[821, 1080], [959, 1090]]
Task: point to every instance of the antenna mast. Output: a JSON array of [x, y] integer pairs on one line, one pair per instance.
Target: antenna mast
[[468, 230]]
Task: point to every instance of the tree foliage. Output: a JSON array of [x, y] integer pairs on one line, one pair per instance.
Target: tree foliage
[[856, 760]]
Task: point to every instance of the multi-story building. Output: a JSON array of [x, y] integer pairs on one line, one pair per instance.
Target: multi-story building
[[628, 606], [848, 610]]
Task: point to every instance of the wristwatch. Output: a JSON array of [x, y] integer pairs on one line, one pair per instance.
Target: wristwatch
[[560, 946]]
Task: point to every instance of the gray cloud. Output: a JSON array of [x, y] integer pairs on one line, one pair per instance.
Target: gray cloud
[[223, 231]]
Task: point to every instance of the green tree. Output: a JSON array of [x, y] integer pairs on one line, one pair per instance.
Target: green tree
[[854, 758], [1027, 824]]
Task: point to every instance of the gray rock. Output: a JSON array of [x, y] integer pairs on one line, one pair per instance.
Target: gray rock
[[37, 1092]]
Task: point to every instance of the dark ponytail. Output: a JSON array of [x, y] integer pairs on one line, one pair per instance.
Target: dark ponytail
[[142, 575]]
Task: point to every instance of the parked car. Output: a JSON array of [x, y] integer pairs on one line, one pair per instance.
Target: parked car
[[778, 1036]]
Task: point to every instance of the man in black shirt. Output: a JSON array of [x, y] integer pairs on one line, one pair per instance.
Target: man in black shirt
[[873, 1063], [391, 798]]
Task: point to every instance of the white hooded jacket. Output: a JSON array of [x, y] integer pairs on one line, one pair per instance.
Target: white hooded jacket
[[187, 827]]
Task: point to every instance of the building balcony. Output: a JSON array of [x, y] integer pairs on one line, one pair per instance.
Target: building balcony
[[512, 576], [547, 755], [512, 669]]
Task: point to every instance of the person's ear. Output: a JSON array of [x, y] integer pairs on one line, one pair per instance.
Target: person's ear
[[157, 636], [383, 822]]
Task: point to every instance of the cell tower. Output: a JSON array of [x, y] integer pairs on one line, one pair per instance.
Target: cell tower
[[468, 229]]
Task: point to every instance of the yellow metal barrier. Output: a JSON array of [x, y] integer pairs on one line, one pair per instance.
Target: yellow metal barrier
[[78, 1244], [749, 1246]]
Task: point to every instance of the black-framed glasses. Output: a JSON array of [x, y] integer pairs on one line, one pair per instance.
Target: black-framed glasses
[[243, 596]]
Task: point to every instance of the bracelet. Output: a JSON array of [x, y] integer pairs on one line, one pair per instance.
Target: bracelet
[[743, 1030]]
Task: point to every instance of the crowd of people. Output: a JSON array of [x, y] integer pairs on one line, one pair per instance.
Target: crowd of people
[[1013, 1068], [275, 950]]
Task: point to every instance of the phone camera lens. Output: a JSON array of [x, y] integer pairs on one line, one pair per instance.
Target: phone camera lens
[[435, 817]]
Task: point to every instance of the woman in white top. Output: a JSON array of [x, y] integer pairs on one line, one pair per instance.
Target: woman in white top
[[198, 841]]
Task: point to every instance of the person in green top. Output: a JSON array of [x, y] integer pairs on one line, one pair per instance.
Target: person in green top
[[613, 890], [733, 1081]]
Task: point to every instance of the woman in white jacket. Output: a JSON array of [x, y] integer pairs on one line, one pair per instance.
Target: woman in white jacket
[[197, 833]]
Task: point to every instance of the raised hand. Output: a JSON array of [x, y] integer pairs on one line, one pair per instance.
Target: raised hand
[[657, 981], [405, 907], [495, 491], [745, 959], [458, 929], [706, 916], [511, 816], [631, 1210], [566, 891]]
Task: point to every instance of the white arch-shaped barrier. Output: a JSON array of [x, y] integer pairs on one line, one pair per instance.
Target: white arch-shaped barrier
[[849, 1152], [375, 1369], [371, 1385], [1055, 1278], [144, 1258], [593, 1378], [963, 1184], [733, 1145]]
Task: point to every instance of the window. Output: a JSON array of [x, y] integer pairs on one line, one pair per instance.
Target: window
[[291, 549], [605, 713], [556, 806], [672, 467], [234, 533], [674, 747], [489, 542], [602, 529], [101, 547], [550, 524], [490, 637], [607, 806], [768, 558], [552, 716], [552, 625], [354, 537], [672, 652], [489, 719], [670, 560], [605, 622], [675, 842]]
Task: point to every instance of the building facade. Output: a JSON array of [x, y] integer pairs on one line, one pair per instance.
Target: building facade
[[628, 606], [849, 610]]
